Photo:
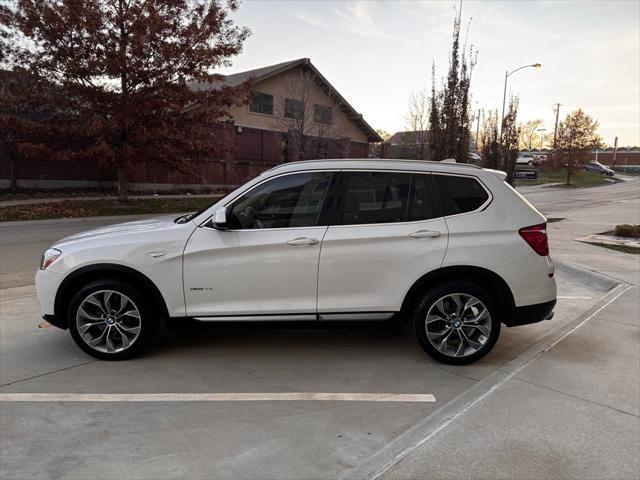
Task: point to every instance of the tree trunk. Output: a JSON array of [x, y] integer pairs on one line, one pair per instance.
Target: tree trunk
[[13, 171], [123, 181]]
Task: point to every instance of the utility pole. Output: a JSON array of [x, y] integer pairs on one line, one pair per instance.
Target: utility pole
[[478, 132], [615, 151], [555, 130]]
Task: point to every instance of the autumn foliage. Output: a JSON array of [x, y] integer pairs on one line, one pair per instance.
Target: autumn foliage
[[121, 69]]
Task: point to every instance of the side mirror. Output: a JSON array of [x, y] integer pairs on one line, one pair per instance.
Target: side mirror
[[220, 219]]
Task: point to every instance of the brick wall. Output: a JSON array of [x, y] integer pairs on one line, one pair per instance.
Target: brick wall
[[243, 153]]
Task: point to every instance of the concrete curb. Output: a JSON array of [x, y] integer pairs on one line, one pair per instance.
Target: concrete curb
[[381, 461], [589, 277]]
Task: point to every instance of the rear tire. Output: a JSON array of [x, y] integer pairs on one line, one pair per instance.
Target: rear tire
[[457, 322], [111, 320]]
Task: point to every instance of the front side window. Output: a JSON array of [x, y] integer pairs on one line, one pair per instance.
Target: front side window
[[459, 194], [293, 109], [290, 201], [322, 114], [375, 197], [261, 103]]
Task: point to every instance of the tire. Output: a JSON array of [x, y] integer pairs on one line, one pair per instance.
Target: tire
[[530, 163], [480, 335], [116, 336]]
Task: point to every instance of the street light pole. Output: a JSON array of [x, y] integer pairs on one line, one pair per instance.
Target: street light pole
[[507, 74], [542, 130]]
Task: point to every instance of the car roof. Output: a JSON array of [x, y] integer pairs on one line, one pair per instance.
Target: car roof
[[377, 164]]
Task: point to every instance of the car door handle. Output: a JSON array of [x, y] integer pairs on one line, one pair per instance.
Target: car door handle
[[303, 241], [425, 234]]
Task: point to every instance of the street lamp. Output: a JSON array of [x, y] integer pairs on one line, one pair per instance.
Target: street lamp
[[507, 74], [542, 130]]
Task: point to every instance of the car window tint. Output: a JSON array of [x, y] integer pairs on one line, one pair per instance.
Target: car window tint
[[285, 202], [420, 203], [459, 194], [375, 197]]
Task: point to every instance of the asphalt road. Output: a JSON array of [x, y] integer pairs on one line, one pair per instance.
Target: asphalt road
[[557, 399]]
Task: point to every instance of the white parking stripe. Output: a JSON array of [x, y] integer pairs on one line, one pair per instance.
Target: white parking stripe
[[216, 397]]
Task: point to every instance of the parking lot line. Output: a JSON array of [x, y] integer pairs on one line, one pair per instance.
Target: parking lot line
[[217, 397]]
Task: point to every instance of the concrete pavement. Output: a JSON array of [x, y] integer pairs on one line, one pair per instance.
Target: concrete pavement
[[557, 399]]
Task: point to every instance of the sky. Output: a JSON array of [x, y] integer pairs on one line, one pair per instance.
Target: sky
[[376, 52]]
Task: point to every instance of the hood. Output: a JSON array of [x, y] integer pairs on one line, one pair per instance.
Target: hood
[[128, 228]]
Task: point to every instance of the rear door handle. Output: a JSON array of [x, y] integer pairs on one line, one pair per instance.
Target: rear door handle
[[425, 234], [302, 241]]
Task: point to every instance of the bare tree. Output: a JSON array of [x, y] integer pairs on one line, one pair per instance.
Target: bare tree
[[489, 142], [312, 128], [510, 135], [529, 133], [418, 122]]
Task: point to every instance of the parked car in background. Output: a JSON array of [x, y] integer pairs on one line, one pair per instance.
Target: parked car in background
[[474, 158], [597, 167], [450, 247], [526, 160]]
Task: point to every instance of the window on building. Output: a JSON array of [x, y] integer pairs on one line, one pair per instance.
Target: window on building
[[261, 103], [293, 109], [459, 194], [322, 114]]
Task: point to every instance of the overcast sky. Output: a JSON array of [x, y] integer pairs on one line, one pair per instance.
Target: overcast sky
[[376, 52]]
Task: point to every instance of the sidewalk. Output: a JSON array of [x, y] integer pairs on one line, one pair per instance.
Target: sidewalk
[[573, 412]]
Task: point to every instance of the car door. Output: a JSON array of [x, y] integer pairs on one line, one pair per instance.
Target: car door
[[385, 234], [266, 262]]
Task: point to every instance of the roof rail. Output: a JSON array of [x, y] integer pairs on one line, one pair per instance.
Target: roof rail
[[469, 165]]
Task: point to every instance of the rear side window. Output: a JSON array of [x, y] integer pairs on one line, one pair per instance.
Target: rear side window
[[374, 197], [459, 194], [385, 197]]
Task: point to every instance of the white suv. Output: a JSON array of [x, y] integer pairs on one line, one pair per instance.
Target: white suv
[[451, 247]]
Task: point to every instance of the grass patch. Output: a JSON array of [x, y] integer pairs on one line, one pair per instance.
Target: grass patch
[[618, 248], [627, 230], [98, 208], [579, 179]]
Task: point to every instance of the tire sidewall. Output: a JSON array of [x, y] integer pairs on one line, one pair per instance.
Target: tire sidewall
[[148, 319], [434, 294]]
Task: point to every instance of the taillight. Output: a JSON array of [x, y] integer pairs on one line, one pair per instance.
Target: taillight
[[536, 237]]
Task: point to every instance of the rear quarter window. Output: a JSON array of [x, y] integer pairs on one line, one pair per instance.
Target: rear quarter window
[[459, 194]]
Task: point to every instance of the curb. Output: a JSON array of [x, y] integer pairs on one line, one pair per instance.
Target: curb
[[594, 279]]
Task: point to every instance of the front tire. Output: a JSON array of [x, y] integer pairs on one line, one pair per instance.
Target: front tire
[[110, 320], [457, 323]]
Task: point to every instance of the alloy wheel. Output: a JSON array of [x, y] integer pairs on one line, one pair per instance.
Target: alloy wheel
[[458, 325], [108, 321]]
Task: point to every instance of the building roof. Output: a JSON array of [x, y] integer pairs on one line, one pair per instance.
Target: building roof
[[412, 137], [259, 74]]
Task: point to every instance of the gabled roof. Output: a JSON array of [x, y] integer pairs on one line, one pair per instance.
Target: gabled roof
[[407, 138], [258, 75]]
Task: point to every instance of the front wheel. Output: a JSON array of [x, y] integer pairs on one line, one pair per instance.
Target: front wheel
[[110, 320], [457, 323]]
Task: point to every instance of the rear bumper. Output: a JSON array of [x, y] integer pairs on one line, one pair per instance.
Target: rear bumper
[[531, 314]]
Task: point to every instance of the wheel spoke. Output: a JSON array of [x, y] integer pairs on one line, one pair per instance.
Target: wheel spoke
[[476, 318], [83, 313], [460, 348], [435, 318], [124, 336], [473, 343], [96, 341], [106, 299], [123, 303], [94, 301], [109, 342], [131, 313], [443, 343], [483, 329]]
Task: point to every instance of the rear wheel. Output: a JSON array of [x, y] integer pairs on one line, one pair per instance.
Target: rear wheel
[[457, 323], [110, 320]]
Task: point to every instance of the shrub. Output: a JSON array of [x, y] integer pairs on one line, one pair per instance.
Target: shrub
[[626, 230]]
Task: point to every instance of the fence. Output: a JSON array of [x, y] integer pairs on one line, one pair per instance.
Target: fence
[[242, 153]]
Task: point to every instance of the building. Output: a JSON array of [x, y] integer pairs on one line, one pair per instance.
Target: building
[[294, 114], [295, 99], [414, 144]]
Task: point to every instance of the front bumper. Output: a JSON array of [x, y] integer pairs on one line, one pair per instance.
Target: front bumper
[[531, 314]]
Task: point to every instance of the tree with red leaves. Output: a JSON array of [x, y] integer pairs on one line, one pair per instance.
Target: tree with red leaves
[[124, 68]]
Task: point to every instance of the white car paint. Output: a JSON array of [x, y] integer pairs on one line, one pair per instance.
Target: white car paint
[[208, 273]]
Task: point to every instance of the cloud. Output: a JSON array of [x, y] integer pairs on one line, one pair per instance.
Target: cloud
[[316, 22]]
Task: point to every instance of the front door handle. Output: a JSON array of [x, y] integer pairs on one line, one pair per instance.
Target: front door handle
[[425, 234], [302, 241]]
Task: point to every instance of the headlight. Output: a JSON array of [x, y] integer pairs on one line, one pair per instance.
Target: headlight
[[48, 257]]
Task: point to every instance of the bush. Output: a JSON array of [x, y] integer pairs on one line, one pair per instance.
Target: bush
[[626, 230]]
